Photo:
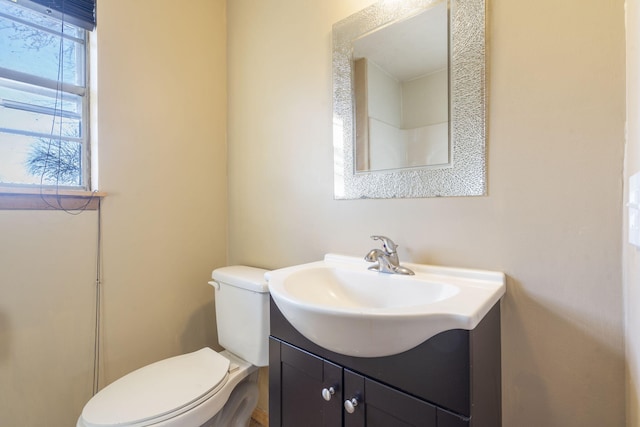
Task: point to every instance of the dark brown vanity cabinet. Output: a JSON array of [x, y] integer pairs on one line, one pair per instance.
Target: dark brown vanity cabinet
[[314, 392], [451, 380]]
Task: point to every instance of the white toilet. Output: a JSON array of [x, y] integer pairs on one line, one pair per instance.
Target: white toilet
[[203, 388]]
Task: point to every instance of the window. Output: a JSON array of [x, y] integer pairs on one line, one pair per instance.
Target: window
[[44, 99]]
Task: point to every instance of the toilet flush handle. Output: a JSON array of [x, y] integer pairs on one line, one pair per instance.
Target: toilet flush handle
[[215, 284]]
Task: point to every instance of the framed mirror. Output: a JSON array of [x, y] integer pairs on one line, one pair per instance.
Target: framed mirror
[[409, 100]]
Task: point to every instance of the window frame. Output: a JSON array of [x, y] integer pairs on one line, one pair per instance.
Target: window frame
[[50, 196]]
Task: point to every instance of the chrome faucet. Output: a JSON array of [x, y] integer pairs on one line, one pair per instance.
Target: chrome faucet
[[386, 259]]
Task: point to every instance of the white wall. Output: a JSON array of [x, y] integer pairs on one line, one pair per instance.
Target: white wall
[[632, 254], [551, 220], [425, 100], [161, 130], [428, 145], [408, 121], [384, 95], [387, 146]]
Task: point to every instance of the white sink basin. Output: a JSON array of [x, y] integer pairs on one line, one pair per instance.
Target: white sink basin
[[340, 305]]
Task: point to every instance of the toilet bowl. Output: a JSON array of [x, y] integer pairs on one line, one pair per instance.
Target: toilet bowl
[[204, 388]]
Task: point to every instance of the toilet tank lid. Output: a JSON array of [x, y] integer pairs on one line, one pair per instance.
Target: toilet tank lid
[[242, 276]]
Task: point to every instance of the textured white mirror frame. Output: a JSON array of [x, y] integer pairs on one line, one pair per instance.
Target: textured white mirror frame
[[466, 173]]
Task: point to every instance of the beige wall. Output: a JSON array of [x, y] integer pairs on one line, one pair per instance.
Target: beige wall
[[551, 220], [162, 86], [47, 279], [632, 254], [163, 163]]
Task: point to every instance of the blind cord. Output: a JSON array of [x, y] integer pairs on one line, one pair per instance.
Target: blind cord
[[58, 107], [98, 305]]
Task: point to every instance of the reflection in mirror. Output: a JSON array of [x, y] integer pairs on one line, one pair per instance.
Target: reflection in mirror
[[401, 86], [376, 148]]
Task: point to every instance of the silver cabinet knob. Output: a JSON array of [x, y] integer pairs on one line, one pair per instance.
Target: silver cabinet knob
[[350, 405], [327, 393]]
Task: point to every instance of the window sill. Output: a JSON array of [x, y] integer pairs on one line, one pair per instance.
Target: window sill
[[49, 199]]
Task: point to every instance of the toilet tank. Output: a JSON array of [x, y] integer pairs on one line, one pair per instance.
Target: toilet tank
[[242, 312]]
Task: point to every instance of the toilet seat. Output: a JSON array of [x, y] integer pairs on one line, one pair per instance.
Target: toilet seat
[[159, 391]]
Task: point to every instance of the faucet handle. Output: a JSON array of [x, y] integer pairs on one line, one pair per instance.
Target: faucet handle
[[387, 243]]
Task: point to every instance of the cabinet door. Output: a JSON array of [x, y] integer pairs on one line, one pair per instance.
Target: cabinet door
[[296, 391], [380, 406], [355, 416]]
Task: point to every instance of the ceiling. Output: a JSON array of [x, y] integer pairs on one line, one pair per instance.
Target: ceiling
[[409, 48]]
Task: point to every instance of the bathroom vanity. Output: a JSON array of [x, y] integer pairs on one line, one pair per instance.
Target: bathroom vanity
[[450, 380]]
